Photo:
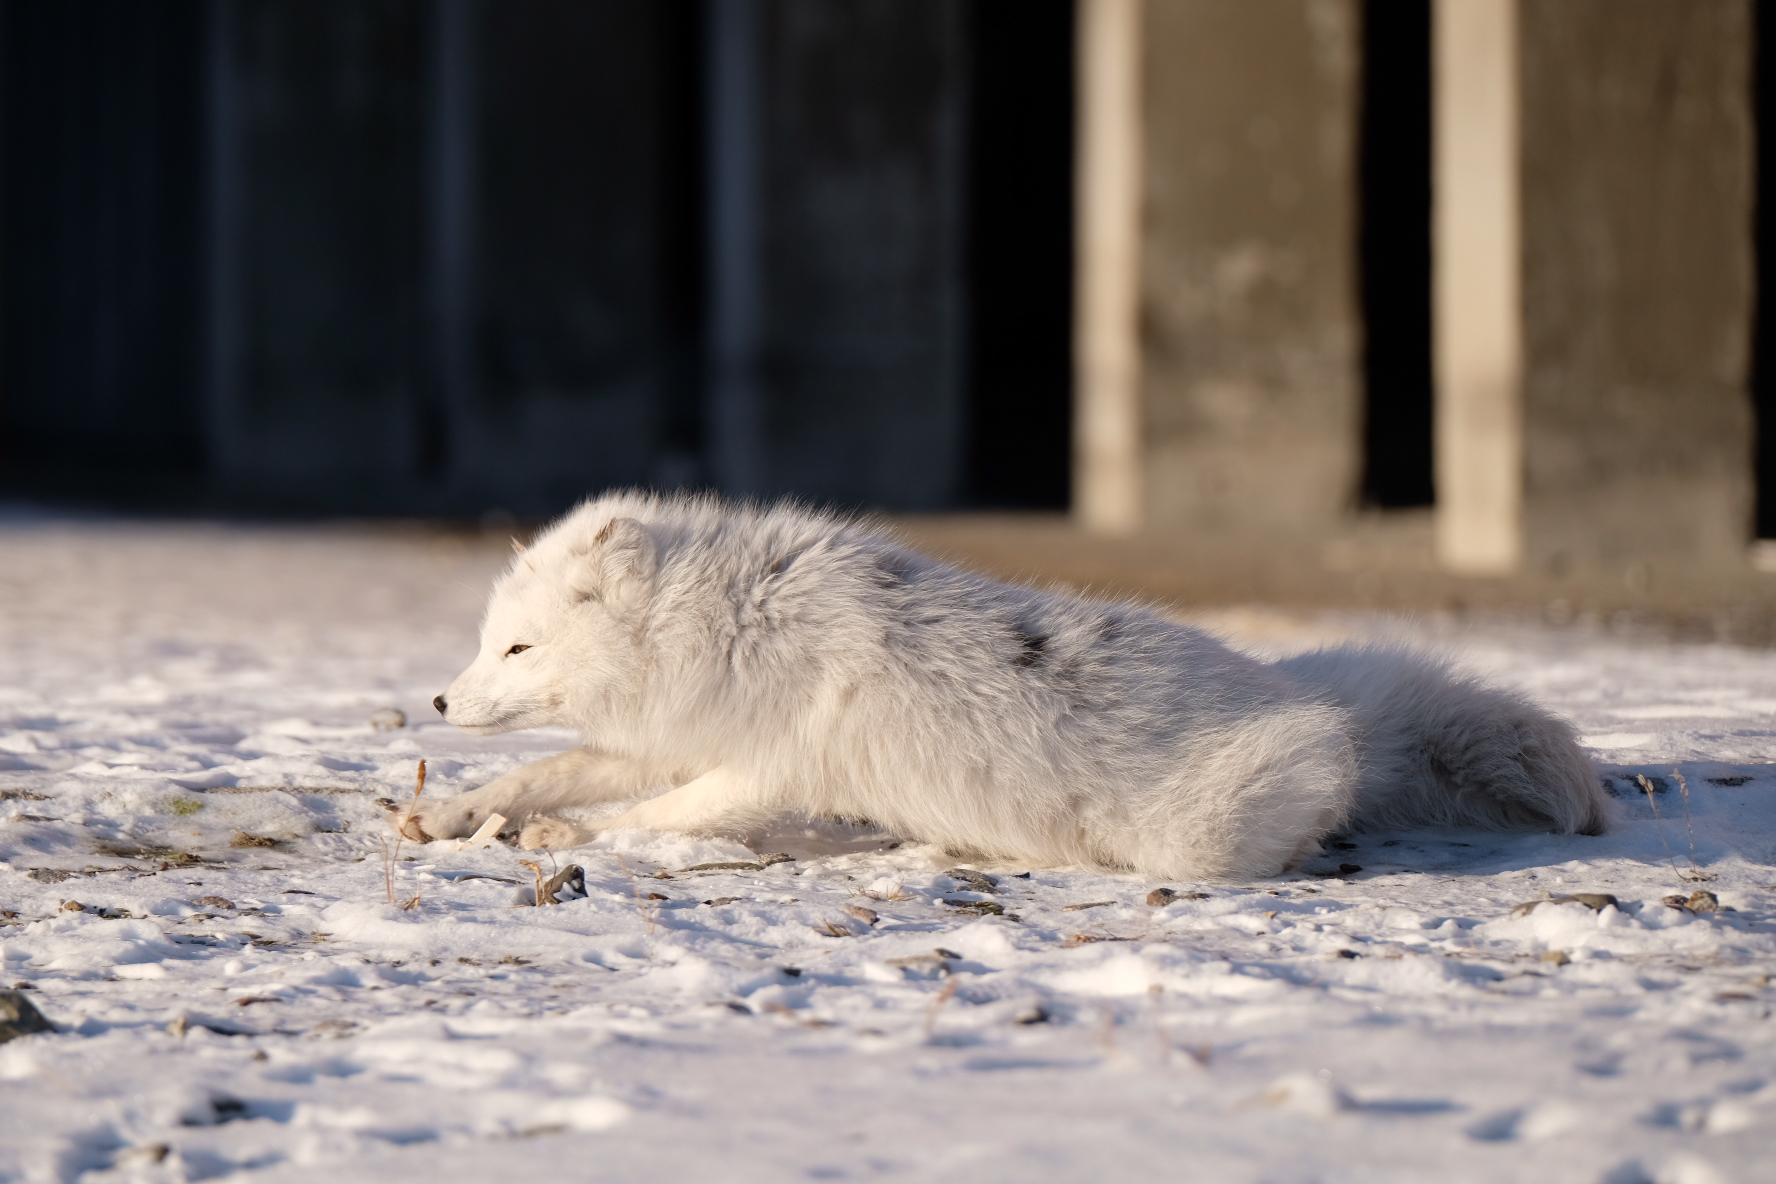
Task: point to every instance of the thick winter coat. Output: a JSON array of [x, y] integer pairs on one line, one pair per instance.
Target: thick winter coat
[[728, 664]]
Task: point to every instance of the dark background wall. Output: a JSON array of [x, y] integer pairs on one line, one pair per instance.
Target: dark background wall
[[444, 256], [101, 131], [321, 110]]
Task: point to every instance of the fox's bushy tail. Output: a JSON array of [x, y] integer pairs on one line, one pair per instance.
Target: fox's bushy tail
[[1440, 748]]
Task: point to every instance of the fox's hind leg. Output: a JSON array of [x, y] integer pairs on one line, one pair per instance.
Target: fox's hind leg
[[718, 802]]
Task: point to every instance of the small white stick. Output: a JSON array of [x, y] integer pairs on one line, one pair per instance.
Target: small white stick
[[488, 832]]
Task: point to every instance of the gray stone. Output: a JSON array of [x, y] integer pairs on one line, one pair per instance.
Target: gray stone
[[936, 962], [19, 1017], [569, 882], [1595, 901], [388, 719], [985, 908], [976, 881], [771, 859]]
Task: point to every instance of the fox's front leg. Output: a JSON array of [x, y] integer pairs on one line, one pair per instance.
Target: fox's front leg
[[718, 802], [579, 776]]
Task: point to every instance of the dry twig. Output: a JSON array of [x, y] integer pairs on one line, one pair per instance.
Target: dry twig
[[537, 900], [943, 997], [1696, 872], [1646, 786], [391, 858]]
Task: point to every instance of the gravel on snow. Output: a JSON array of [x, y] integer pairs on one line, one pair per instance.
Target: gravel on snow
[[196, 878]]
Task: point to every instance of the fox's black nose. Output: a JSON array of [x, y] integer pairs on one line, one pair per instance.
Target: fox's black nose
[[438, 702]]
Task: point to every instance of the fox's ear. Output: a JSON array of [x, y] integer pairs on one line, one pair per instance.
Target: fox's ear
[[618, 567]]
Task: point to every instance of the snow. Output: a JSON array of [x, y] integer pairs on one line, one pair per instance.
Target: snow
[[173, 697]]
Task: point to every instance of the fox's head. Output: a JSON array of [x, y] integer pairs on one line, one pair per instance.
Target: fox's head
[[561, 643]]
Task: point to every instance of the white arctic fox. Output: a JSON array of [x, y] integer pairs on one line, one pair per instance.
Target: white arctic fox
[[729, 664]]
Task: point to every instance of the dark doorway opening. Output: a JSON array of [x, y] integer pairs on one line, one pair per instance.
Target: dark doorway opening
[[1394, 245], [1020, 254], [1763, 341]]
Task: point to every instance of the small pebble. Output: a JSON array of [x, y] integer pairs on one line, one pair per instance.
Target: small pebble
[[1595, 901], [929, 962], [388, 719], [985, 908], [570, 882], [976, 881], [19, 1017]]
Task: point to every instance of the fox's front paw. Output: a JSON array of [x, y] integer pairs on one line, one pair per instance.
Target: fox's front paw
[[554, 833], [425, 821]]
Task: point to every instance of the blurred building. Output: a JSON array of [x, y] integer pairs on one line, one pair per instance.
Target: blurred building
[[1496, 255], [455, 255], [1262, 268]]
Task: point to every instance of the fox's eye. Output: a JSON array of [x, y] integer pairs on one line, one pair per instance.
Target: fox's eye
[[517, 649]]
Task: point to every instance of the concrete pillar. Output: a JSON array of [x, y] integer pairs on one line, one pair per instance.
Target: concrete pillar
[[1107, 434], [1249, 396], [1637, 281], [1477, 286]]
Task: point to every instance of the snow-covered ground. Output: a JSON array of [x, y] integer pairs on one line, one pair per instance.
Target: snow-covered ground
[[194, 889]]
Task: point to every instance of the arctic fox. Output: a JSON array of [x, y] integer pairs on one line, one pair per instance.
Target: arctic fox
[[728, 664]]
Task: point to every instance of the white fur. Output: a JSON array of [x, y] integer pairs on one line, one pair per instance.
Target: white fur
[[731, 664]]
